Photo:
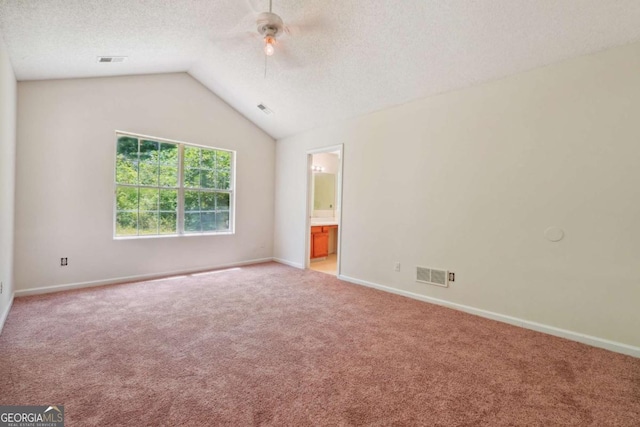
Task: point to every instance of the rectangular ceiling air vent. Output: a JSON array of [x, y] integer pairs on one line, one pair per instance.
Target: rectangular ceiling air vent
[[111, 58], [264, 109], [432, 276]]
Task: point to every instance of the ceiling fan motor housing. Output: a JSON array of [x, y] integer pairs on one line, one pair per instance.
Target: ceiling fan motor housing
[[269, 24]]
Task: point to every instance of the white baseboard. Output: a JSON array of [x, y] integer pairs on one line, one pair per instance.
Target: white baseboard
[[138, 278], [551, 330], [289, 263], [5, 314]]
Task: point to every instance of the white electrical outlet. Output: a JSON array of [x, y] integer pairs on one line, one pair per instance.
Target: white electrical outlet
[[396, 266]]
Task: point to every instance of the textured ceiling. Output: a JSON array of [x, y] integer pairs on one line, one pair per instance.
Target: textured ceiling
[[343, 58]]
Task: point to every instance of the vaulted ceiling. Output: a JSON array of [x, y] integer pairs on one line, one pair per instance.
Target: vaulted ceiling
[[343, 58]]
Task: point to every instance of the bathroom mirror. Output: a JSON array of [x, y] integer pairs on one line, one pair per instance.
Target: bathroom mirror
[[324, 191]]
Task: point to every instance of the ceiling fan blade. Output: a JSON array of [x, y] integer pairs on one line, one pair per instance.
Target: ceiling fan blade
[[285, 58], [238, 40], [306, 25]]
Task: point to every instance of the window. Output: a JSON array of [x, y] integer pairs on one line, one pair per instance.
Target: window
[[170, 188]]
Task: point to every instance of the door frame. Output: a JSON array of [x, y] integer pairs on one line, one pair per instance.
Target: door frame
[[309, 209]]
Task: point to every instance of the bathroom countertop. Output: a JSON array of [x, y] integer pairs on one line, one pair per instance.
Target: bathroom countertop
[[323, 221]]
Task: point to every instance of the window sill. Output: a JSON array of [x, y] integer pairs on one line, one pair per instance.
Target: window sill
[[163, 236]]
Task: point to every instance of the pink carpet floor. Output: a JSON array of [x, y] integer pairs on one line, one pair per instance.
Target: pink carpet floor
[[273, 345]]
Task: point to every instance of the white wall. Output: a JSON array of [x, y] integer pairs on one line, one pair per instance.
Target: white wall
[[468, 181], [7, 177], [64, 184]]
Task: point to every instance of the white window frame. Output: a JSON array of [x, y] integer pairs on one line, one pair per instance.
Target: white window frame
[[180, 217]]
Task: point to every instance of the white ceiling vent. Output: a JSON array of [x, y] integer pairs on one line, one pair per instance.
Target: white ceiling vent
[[265, 109], [432, 276], [112, 58]]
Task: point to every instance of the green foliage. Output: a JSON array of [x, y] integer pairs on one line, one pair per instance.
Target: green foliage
[[169, 154], [148, 199], [149, 151], [149, 211], [208, 221], [126, 198], [206, 168], [192, 222], [128, 147], [191, 157], [168, 223], [168, 176], [127, 160], [126, 223], [224, 170], [192, 178], [208, 201], [191, 201], [208, 158], [147, 223], [222, 201], [168, 200], [222, 221], [207, 178], [146, 162]]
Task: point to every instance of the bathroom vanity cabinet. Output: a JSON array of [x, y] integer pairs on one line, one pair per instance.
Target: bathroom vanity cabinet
[[320, 240]]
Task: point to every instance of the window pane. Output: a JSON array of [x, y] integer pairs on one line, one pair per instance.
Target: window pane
[[148, 199], [148, 174], [224, 182], [191, 201], [126, 198], [168, 200], [208, 179], [222, 221], [126, 171], [191, 157], [148, 223], [168, 223], [126, 224], [168, 176], [127, 148], [224, 159], [169, 154], [149, 151], [208, 201], [192, 222], [192, 178], [127, 160], [222, 201], [224, 170], [208, 221], [208, 160]]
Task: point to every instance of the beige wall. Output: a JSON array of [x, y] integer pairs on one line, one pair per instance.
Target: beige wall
[[65, 173], [468, 181], [7, 177]]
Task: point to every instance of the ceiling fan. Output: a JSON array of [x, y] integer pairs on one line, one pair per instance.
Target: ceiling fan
[[270, 26]]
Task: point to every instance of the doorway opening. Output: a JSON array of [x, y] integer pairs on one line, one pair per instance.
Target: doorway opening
[[324, 208]]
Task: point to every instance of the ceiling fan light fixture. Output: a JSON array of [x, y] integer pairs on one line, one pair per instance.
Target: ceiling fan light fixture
[[269, 43]]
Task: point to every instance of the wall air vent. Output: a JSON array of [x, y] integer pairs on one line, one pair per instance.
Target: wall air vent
[[432, 276], [265, 109], [112, 58]]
